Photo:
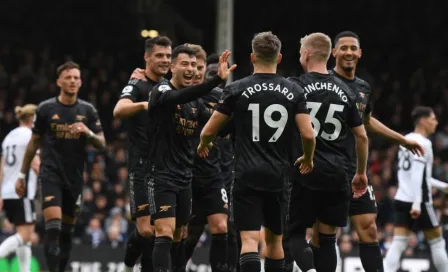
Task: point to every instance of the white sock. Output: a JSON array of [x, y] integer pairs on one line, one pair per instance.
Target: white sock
[[392, 260], [24, 256], [438, 252], [10, 245]]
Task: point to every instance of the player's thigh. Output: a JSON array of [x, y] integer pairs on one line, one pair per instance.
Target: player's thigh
[[403, 218], [274, 212], [333, 207], [20, 211], [183, 207], [366, 204], [197, 213], [138, 188], [247, 208], [428, 218], [162, 200], [301, 208], [51, 194], [215, 201], [71, 204]]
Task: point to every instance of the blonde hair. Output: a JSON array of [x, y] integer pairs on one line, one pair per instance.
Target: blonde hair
[[266, 46], [319, 45], [199, 52], [24, 112]]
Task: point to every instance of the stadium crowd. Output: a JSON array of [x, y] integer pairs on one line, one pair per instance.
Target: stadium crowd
[[27, 74]]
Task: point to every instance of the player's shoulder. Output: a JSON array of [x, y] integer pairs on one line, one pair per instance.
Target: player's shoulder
[[87, 105], [362, 84], [163, 86], [422, 140], [47, 103]]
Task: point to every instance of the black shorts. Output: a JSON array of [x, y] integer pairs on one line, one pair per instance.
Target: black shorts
[[365, 204], [253, 208], [167, 201], [55, 194], [138, 188], [427, 220], [307, 206], [20, 211], [208, 201]]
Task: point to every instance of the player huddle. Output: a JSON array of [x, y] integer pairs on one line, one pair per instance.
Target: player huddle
[[283, 153]]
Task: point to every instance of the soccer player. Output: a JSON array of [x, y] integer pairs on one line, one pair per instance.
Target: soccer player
[[347, 52], [267, 109], [413, 200], [63, 127], [322, 198], [209, 196], [133, 105], [19, 211], [174, 115]]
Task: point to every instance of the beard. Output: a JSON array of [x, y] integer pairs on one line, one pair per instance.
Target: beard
[[348, 68], [68, 93]]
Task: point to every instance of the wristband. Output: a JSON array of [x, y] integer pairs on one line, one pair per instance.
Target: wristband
[[22, 175], [91, 134]]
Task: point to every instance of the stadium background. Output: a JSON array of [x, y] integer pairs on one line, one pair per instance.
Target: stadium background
[[404, 59]]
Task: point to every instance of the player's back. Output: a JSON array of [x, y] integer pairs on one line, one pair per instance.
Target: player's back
[[264, 114], [14, 149], [333, 112], [414, 171]]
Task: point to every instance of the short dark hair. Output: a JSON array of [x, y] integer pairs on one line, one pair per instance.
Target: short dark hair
[[182, 49], [212, 59], [199, 51], [67, 66], [163, 41], [266, 46], [345, 34], [421, 112]]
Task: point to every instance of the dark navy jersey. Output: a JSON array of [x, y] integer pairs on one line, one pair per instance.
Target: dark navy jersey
[[333, 112], [174, 117], [138, 91], [362, 91], [264, 107], [63, 154], [207, 172]]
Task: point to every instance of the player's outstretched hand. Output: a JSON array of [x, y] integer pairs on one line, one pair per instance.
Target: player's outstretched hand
[[305, 165], [20, 187], [414, 147], [138, 74], [359, 185], [415, 214], [203, 150], [223, 68]]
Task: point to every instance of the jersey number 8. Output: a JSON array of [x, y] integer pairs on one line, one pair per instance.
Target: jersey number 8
[[329, 119], [404, 159], [267, 116]]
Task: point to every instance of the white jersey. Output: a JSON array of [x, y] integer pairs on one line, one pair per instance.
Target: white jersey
[[415, 173], [13, 150]]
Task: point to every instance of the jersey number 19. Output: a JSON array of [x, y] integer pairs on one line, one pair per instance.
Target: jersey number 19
[[267, 117]]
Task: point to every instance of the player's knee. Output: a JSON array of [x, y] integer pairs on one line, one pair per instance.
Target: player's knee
[[146, 230], [367, 231], [250, 239], [219, 227], [164, 229], [25, 232]]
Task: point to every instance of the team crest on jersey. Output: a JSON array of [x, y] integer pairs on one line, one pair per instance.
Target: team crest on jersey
[[163, 88], [362, 95], [127, 89], [80, 118], [55, 117]]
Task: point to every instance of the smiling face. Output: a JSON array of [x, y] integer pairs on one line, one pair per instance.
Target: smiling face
[[70, 81], [183, 69], [158, 59], [200, 72], [347, 53]]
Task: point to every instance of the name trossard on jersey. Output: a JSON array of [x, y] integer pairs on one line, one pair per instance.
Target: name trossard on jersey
[[171, 131], [264, 107], [208, 171], [63, 154], [414, 172], [138, 91], [333, 112], [14, 149], [362, 91]]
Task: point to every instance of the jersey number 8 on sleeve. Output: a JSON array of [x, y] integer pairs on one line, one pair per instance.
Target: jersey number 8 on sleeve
[[314, 108], [267, 116]]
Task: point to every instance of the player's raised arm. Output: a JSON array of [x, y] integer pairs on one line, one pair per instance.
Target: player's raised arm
[[194, 92]]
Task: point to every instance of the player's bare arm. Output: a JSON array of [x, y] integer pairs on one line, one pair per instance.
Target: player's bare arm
[[359, 183], [126, 108], [31, 150], [305, 127], [374, 125], [209, 132], [35, 164], [97, 140]]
